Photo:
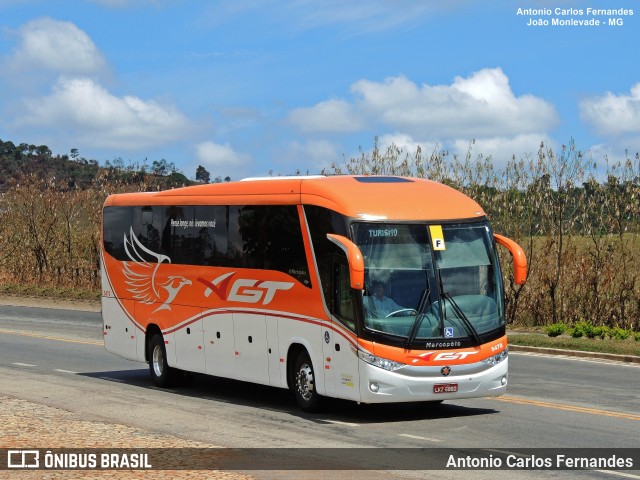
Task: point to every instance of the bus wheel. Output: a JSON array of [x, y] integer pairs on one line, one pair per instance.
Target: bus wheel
[[304, 384], [161, 373]]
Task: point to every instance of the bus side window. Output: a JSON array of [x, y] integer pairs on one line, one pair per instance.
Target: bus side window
[[147, 225], [342, 302], [284, 246], [117, 223], [177, 233]]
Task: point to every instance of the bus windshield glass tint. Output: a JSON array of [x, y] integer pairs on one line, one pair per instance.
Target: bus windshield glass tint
[[430, 282]]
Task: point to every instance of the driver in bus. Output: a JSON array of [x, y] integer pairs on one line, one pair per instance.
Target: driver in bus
[[378, 305]]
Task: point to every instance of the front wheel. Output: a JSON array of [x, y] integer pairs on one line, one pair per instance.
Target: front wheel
[[161, 373], [304, 384]]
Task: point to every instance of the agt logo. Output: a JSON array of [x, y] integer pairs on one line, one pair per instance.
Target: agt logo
[[243, 289], [453, 355], [445, 356]]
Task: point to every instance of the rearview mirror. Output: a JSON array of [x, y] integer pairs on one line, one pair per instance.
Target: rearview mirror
[[519, 258], [354, 258]]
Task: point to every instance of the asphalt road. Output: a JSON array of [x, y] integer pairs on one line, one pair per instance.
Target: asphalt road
[[55, 357]]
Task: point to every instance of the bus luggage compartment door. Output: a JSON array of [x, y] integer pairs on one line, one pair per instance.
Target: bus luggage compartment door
[[119, 330], [219, 345], [251, 349]]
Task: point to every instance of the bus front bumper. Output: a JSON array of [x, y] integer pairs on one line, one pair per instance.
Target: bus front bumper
[[415, 384]]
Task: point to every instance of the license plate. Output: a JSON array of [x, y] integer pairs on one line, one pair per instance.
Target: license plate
[[445, 388]]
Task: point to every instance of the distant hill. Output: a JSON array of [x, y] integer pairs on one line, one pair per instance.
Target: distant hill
[[28, 160]]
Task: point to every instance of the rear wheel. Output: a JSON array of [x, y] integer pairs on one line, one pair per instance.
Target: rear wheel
[[304, 384], [161, 373]]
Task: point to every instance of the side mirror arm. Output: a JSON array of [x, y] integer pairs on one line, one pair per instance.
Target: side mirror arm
[[354, 257], [519, 258]]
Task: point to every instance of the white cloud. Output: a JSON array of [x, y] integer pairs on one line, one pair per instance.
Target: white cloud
[[57, 46], [613, 115], [94, 117], [221, 160], [314, 155], [480, 108], [218, 156], [481, 105], [328, 116], [407, 143]]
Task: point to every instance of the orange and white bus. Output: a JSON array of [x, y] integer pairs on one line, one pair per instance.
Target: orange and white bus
[[367, 288]]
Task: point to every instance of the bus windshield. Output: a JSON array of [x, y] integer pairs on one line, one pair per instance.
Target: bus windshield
[[430, 281]]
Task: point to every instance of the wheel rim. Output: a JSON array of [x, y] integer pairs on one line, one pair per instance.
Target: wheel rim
[[158, 361], [304, 381]]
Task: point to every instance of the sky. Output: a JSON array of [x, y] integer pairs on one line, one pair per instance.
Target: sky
[[258, 87]]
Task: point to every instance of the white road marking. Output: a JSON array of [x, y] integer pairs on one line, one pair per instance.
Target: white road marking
[[338, 422], [619, 474], [417, 437], [606, 361], [65, 371], [49, 337], [17, 364], [113, 379]]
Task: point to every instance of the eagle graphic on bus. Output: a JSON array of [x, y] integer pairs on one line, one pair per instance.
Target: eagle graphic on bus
[[140, 274]]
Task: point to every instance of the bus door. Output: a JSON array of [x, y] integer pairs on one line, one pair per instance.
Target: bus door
[[340, 355]]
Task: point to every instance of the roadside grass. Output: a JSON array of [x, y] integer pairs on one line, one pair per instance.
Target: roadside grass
[[49, 292], [565, 342]]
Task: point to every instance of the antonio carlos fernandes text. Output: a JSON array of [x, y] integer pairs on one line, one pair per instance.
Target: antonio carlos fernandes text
[[561, 462]]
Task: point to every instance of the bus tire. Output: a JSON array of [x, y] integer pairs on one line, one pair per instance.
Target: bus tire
[[161, 373], [304, 384]]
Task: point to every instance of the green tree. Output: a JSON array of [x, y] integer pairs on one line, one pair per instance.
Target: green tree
[[202, 175], [163, 168]]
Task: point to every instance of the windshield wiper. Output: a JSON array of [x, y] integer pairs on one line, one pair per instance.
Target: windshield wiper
[[419, 317], [458, 311]]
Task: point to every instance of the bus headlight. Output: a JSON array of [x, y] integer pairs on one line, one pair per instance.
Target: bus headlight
[[497, 358], [380, 362]]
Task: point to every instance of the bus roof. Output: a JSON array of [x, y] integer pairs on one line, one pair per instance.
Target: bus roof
[[368, 197]]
